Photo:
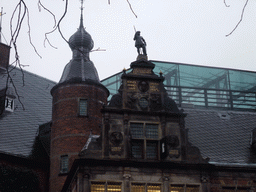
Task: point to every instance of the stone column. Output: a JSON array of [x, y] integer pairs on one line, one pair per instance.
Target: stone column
[[205, 181], [166, 184], [127, 182], [86, 183]]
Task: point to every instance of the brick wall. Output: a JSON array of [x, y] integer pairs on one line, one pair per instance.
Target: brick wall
[[70, 131], [4, 55]]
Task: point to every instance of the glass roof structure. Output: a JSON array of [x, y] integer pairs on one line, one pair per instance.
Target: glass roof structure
[[202, 87]]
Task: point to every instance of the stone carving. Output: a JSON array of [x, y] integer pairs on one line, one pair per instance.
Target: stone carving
[[116, 138], [143, 86]]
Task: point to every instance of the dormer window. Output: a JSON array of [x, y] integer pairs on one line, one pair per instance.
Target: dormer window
[[145, 140], [9, 104]]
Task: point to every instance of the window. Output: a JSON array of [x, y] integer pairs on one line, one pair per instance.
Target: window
[[105, 187], [237, 189], [64, 164], [9, 104], [83, 107], [184, 188], [137, 187], [145, 140]]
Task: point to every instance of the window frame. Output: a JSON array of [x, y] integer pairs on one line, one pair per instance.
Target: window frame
[[185, 186], [235, 188], [9, 104], [64, 170], [106, 184], [145, 139], [146, 185], [79, 107]]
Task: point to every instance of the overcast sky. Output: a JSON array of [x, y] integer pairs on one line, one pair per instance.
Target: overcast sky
[[184, 31]]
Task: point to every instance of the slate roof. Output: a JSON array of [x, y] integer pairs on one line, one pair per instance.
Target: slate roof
[[18, 129], [223, 136]]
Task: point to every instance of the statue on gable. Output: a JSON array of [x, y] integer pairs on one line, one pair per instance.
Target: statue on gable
[[140, 43]]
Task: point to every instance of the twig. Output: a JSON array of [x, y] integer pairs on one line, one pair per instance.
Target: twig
[[29, 36], [131, 8], [57, 27], [54, 18], [226, 4], [98, 49], [241, 18]]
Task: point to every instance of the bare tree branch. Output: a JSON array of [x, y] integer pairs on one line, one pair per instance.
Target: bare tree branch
[[58, 27], [41, 5], [29, 36], [241, 18], [226, 4], [14, 86], [131, 8]]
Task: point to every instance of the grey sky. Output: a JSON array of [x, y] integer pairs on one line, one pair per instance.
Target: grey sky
[[182, 31]]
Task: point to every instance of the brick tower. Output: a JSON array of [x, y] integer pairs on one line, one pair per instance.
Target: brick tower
[[77, 102]]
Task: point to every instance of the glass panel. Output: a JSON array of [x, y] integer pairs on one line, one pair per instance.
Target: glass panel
[[194, 80], [114, 187], [64, 164], [154, 188], [137, 148], [97, 187], [192, 188], [152, 131], [83, 107], [176, 188], [151, 150], [136, 130], [138, 188]]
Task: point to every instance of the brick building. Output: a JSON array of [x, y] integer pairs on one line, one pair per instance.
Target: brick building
[[158, 126]]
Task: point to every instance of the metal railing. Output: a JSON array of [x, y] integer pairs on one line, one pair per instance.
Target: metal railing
[[213, 98]]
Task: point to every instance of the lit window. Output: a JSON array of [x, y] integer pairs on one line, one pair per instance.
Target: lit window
[[83, 107], [136, 187], [64, 164], [184, 188], [108, 187], [145, 140]]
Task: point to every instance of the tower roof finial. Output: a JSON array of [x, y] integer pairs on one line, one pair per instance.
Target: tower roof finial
[[82, 8]]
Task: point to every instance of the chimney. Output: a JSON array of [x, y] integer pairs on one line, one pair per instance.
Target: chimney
[[4, 56]]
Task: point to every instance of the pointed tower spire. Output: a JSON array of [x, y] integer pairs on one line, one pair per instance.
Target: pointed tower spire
[[80, 68], [82, 8]]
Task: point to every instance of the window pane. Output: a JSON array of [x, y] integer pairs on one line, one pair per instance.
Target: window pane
[[177, 188], [83, 107], [136, 130], [114, 187], [138, 188], [64, 164], [192, 188], [152, 131], [151, 150], [137, 148], [153, 188], [97, 187]]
